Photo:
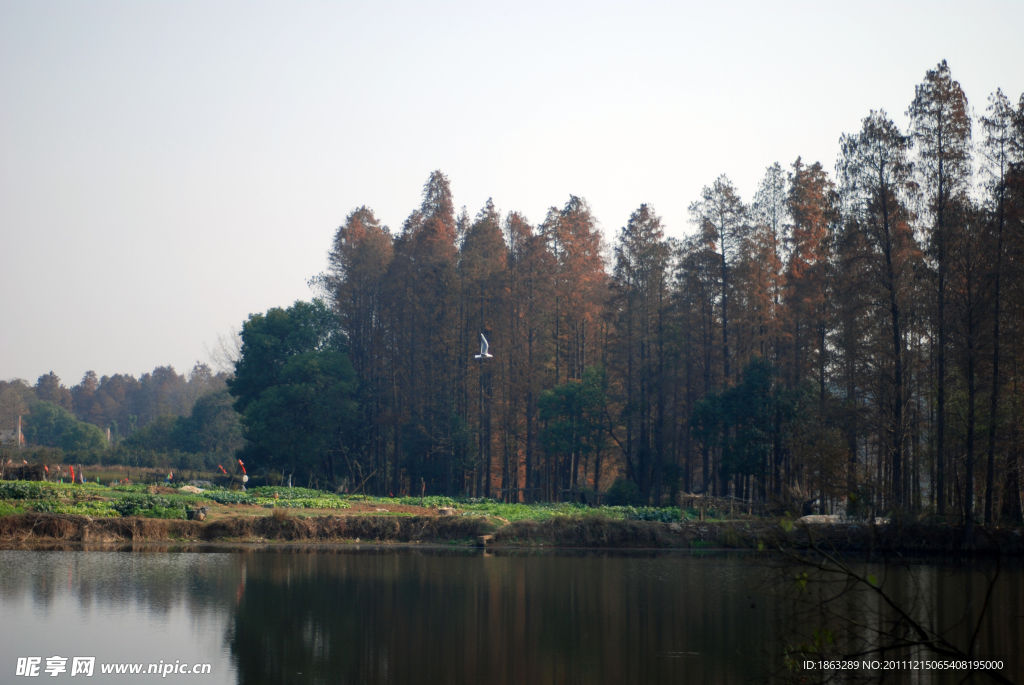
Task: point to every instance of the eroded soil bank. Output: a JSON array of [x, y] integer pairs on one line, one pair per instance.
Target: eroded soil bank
[[561, 531]]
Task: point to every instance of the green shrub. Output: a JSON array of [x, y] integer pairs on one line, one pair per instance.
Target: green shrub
[[165, 513], [25, 489], [428, 501], [303, 503], [94, 509], [520, 512], [623, 493], [135, 487], [9, 509], [285, 492], [228, 497], [21, 489], [588, 495], [150, 507]]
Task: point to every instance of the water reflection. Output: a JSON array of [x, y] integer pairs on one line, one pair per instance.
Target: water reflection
[[117, 607], [378, 615], [429, 618]]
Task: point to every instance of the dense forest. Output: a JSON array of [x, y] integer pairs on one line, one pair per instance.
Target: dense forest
[[853, 339], [162, 418]]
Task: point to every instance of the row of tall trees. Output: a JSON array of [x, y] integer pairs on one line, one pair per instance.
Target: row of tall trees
[[414, 305], [847, 340]]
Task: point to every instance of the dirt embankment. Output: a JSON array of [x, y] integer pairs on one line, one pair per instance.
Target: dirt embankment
[[561, 531], [33, 527], [759, 534]]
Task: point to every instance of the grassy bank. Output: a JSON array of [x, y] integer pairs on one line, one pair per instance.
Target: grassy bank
[[593, 531], [156, 501], [33, 511]]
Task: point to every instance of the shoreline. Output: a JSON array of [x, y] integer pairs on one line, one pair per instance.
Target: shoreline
[[561, 532]]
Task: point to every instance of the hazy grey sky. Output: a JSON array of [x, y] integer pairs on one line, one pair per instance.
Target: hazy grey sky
[[168, 168]]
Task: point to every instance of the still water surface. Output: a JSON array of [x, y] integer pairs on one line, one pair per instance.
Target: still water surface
[[376, 615]]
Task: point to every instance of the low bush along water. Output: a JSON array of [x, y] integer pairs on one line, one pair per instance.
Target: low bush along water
[[132, 500]]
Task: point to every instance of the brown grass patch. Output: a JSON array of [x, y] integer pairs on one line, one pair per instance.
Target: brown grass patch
[[588, 531], [336, 528], [66, 527]]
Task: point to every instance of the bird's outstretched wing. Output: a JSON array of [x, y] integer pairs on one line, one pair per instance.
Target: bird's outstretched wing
[[483, 349]]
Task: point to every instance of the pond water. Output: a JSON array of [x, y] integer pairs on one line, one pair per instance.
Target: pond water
[[385, 615]]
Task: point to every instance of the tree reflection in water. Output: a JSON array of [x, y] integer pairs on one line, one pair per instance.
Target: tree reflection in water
[[387, 617], [402, 615]]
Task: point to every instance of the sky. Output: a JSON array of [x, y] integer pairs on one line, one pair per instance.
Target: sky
[[169, 168]]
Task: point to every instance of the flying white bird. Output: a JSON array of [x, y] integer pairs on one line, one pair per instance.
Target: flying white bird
[[483, 349]]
